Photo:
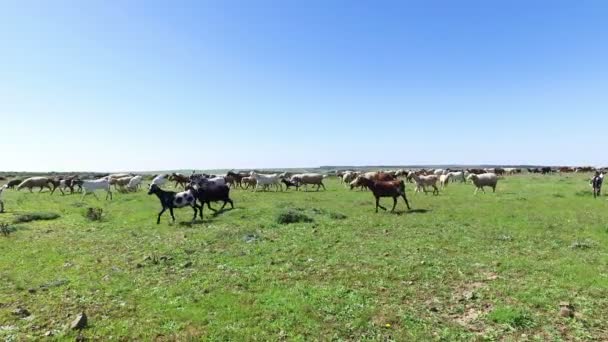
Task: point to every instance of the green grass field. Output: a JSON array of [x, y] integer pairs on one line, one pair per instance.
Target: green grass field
[[459, 267]]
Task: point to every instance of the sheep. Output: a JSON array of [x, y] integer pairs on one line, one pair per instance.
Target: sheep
[[309, 178], [266, 180], [211, 193], [2, 188], [484, 179], [159, 180], [134, 183], [13, 183], [423, 181], [90, 186], [394, 189], [444, 180], [170, 200], [32, 182]]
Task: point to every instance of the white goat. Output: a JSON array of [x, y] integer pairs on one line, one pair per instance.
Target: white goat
[[90, 186], [2, 188], [444, 180], [423, 181], [159, 180], [457, 176], [134, 183], [266, 180]]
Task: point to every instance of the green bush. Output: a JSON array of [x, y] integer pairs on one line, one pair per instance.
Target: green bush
[[292, 216]]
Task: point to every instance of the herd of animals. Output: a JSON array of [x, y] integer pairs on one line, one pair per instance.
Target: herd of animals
[[201, 189]]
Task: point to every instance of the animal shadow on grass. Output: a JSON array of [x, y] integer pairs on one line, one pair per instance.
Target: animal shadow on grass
[[410, 211]]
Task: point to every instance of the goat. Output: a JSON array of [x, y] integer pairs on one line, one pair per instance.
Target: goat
[[266, 180], [394, 189], [423, 181], [32, 182], [90, 186], [179, 179], [2, 188], [170, 200], [211, 193]]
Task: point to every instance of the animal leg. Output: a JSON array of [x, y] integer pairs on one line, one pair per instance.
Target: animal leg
[[172, 215], [323, 185], [209, 206], [394, 204], [159, 215], [406, 203], [378, 204], [195, 212], [1, 207]]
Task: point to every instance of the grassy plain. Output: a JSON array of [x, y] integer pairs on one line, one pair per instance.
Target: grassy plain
[[459, 267]]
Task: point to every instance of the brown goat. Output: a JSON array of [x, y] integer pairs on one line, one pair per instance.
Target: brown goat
[[394, 189]]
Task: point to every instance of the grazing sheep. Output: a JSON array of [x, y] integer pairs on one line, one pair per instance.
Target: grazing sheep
[[32, 182], [423, 181], [13, 183], [90, 186], [394, 189], [170, 200], [309, 179], [485, 179], [444, 180], [2, 188], [211, 193]]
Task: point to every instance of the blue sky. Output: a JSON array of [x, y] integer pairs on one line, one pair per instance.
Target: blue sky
[[145, 85]]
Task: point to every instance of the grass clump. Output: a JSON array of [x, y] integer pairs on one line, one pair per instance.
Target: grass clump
[[36, 216], [337, 216], [94, 214], [513, 317], [292, 216]]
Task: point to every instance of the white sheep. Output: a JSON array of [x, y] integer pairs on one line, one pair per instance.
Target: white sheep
[[484, 179]]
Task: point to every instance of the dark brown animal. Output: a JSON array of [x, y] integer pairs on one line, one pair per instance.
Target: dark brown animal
[[394, 189]]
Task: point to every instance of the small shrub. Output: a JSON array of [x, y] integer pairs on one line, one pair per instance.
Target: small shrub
[[586, 244], [292, 216], [94, 214], [35, 217], [337, 216], [5, 229]]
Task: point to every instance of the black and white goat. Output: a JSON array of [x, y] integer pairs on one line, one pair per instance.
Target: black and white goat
[[170, 200]]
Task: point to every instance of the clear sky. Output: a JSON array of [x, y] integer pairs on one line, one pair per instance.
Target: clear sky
[[146, 85]]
